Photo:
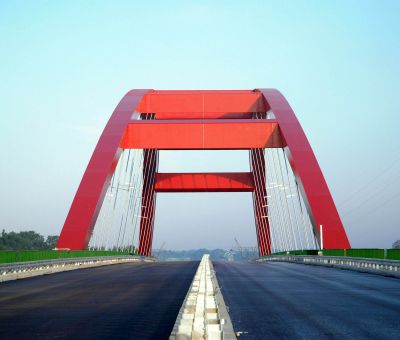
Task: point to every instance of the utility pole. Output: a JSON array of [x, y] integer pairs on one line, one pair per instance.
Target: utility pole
[[321, 237]]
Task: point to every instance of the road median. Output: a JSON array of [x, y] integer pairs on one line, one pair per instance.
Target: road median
[[203, 314]]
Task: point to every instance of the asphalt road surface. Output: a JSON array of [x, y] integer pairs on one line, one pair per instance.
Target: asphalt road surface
[[293, 301], [126, 301]]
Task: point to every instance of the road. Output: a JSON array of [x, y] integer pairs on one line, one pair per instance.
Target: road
[[293, 301], [126, 301]]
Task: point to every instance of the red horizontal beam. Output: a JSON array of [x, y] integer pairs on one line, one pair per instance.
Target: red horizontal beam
[[204, 182], [202, 104], [204, 115], [202, 134]]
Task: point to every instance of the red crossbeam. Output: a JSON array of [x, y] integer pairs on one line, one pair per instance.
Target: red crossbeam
[[202, 104], [202, 134], [204, 182]]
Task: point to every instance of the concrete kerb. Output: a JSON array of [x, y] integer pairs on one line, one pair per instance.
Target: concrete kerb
[[373, 266], [22, 270], [203, 314], [228, 331]]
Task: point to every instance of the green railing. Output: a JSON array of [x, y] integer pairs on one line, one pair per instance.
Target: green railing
[[393, 254], [37, 255], [384, 254]]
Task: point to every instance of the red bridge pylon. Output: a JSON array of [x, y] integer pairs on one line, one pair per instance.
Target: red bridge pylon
[[255, 120]]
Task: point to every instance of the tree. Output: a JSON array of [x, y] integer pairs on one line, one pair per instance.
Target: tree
[[26, 240], [396, 245], [51, 241]]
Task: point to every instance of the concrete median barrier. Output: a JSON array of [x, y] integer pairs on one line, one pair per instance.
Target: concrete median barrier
[[203, 314]]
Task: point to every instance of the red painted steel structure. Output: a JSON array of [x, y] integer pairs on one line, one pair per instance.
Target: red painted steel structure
[[315, 192], [206, 134], [257, 163], [204, 182], [202, 120], [150, 165]]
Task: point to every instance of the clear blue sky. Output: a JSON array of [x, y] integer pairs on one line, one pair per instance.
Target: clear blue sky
[[64, 65]]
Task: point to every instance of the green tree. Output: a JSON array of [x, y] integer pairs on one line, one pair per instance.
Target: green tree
[[396, 245], [51, 241], [24, 240]]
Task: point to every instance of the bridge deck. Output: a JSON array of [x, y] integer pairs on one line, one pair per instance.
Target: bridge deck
[[141, 301], [128, 301], [292, 301]]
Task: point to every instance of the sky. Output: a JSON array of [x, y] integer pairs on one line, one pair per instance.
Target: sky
[[64, 65]]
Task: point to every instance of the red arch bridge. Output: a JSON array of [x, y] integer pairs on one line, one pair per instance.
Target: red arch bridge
[[115, 204]]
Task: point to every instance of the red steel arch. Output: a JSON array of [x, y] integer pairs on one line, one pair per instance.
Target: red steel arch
[[202, 120], [317, 197]]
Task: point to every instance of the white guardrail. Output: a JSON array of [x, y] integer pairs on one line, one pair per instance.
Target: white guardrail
[[374, 266], [203, 314], [21, 270]]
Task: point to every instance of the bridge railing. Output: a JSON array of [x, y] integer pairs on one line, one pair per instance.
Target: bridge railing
[[371, 253], [384, 267], [39, 255]]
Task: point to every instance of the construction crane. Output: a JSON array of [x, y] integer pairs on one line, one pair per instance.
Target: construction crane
[[239, 248], [246, 253], [159, 250]]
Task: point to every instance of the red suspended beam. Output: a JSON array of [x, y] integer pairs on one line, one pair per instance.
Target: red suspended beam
[[204, 182], [202, 134], [202, 104]]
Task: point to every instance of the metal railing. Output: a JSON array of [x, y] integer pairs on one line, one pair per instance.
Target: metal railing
[[39, 255], [374, 266], [372, 253]]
